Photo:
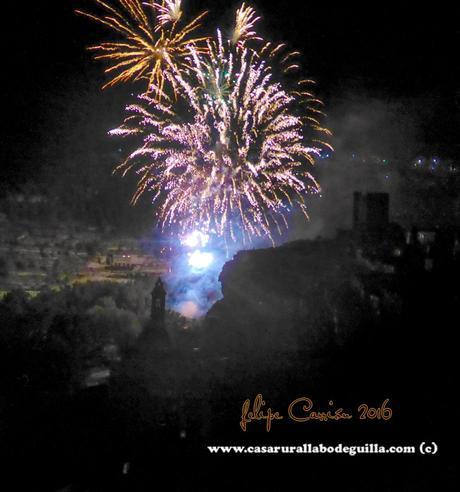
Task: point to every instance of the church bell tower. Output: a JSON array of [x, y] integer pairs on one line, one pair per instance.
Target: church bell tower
[[157, 313]]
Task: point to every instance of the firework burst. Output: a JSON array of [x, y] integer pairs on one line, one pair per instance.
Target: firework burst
[[153, 40], [246, 19], [170, 11], [228, 154], [282, 61]]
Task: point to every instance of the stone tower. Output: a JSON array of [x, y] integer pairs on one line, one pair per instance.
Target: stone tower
[[157, 313]]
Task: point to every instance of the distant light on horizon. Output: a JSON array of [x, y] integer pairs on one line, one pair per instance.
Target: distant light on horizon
[[189, 309]]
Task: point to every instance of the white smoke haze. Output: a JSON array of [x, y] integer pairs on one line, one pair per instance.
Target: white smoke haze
[[373, 140]]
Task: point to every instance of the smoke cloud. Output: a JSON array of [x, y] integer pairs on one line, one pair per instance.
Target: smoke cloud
[[374, 141]]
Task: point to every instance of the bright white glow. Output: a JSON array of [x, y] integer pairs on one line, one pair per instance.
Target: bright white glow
[[200, 260], [196, 239]]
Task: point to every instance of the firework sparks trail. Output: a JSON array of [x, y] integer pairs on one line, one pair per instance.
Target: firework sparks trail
[[231, 158], [246, 19], [243, 36], [153, 42], [170, 11]]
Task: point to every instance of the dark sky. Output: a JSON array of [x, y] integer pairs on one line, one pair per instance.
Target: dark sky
[[388, 50]]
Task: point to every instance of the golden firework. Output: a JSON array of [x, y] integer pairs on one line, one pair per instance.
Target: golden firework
[[154, 41], [246, 19]]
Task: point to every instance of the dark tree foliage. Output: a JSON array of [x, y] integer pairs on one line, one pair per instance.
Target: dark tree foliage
[[48, 342]]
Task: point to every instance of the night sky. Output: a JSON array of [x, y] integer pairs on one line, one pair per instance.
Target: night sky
[[392, 51]]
